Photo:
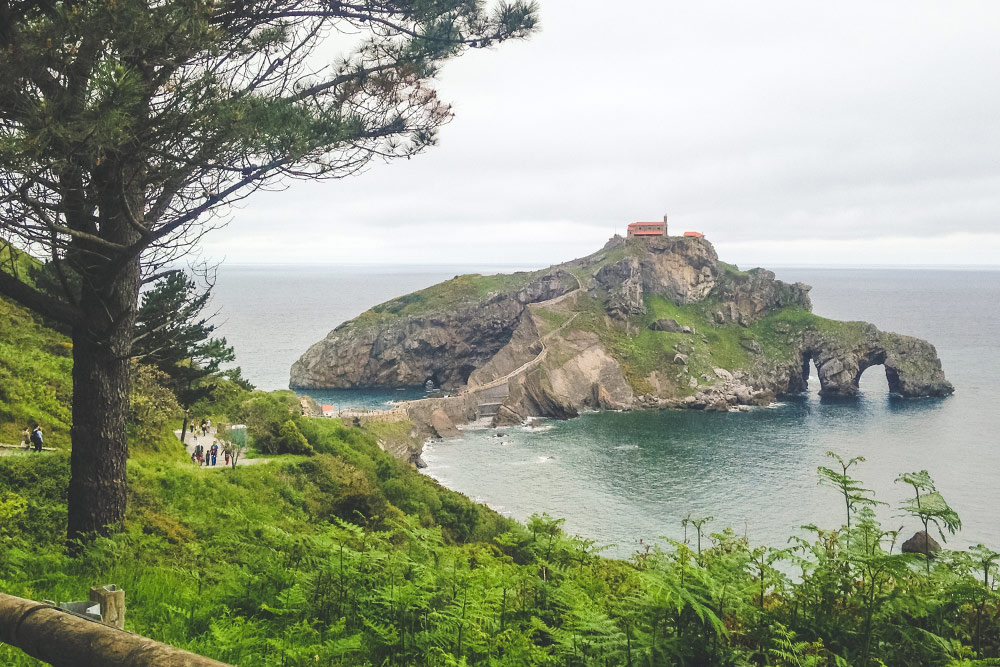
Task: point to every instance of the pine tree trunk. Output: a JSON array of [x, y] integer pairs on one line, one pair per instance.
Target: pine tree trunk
[[101, 382], [102, 346]]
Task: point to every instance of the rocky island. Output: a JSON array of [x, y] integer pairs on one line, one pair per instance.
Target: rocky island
[[644, 323]]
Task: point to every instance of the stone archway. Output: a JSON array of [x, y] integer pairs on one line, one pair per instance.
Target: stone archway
[[893, 382], [912, 367]]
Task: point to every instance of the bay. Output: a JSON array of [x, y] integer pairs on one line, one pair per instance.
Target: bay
[[620, 478]]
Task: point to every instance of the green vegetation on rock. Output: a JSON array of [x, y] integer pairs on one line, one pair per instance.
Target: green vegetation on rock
[[460, 290]]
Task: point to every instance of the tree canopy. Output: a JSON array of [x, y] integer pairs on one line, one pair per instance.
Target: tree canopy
[[173, 333], [128, 126]]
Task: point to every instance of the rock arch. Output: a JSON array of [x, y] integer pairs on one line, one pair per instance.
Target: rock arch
[[912, 366]]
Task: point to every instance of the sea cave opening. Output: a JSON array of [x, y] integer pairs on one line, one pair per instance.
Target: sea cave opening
[[872, 385], [810, 375]]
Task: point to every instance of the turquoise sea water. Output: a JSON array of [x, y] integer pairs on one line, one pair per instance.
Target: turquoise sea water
[[621, 477]]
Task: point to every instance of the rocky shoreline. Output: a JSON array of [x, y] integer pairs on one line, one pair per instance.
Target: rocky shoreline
[[641, 324]]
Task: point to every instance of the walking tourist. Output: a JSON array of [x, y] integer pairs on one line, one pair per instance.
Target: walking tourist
[[36, 437]]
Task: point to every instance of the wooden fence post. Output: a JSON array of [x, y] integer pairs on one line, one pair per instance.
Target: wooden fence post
[[112, 601]]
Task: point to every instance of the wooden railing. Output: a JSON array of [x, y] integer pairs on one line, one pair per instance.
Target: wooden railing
[[63, 639]]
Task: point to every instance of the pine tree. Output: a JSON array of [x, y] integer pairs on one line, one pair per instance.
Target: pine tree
[[173, 334], [128, 127]]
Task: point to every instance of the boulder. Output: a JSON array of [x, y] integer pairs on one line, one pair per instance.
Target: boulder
[[442, 424], [921, 543], [668, 324], [751, 345], [680, 359], [723, 373]]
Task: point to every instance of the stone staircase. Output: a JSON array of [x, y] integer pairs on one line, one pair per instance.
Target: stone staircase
[[490, 399]]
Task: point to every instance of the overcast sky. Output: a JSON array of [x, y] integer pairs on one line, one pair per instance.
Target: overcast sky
[[789, 132]]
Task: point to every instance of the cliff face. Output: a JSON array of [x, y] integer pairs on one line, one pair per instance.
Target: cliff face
[[444, 345], [641, 323]]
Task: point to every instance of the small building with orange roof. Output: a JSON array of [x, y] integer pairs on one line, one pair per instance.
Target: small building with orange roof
[[694, 235], [648, 228]]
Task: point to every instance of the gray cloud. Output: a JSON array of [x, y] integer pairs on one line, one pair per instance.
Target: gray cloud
[[755, 122]]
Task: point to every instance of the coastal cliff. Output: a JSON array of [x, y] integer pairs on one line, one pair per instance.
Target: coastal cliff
[[642, 323]]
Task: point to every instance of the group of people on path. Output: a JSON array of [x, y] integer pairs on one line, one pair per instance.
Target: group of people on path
[[205, 426], [209, 456], [33, 438]]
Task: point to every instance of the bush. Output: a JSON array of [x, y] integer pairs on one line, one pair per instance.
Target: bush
[[291, 441]]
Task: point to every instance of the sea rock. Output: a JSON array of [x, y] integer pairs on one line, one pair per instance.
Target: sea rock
[[912, 366], [442, 424], [921, 543]]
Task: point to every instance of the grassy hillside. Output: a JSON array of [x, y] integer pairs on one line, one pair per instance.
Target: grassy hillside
[[350, 558], [35, 367]]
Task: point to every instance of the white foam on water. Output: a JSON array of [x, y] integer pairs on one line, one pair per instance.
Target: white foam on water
[[481, 424], [537, 429]]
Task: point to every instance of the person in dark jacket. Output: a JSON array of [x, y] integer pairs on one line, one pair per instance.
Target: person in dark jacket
[[37, 438]]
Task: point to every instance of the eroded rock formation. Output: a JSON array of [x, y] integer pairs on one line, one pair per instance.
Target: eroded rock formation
[[586, 335], [445, 345], [912, 366]]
